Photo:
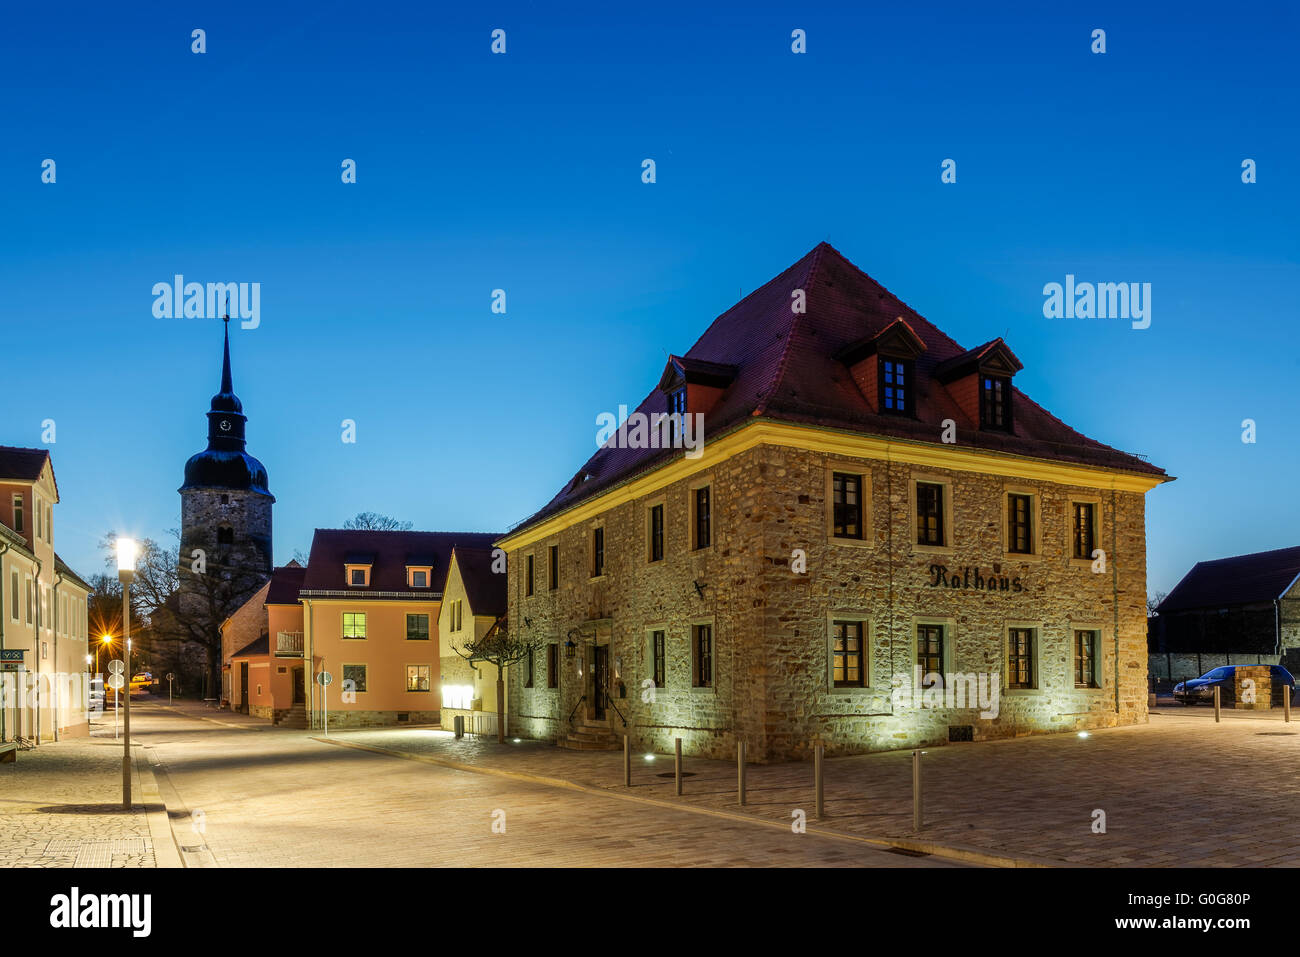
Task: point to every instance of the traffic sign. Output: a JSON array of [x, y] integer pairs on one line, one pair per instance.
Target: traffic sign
[[116, 681], [116, 667], [170, 676], [324, 678]]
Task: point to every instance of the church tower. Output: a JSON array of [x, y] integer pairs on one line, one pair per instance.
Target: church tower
[[225, 510]]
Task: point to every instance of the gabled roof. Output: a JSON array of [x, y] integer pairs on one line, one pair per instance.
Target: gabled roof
[[697, 372], [786, 369], [62, 568], [25, 465], [1240, 580], [389, 552], [286, 581], [486, 589], [995, 353], [262, 646]]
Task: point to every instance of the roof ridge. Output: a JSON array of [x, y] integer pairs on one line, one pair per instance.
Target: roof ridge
[[815, 258]]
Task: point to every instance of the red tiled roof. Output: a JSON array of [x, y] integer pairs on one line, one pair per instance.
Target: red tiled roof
[[286, 581], [1240, 580], [787, 370], [486, 589], [389, 553]]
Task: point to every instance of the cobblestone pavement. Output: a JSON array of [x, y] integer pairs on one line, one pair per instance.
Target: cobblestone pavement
[[1179, 791], [279, 798], [61, 806]]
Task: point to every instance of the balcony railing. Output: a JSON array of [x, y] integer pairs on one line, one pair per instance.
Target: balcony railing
[[288, 644]]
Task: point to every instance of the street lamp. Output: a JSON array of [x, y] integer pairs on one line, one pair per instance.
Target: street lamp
[[104, 642], [126, 574]]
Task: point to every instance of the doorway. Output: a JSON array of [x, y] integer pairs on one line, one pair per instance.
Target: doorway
[[299, 688], [243, 687], [600, 675]]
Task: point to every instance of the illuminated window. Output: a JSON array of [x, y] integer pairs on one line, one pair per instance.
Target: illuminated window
[[846, 490], [1020, 658], [929, 649], [703, 656], [929, 514], [895, 386], [1020, 532], [417, 677], [658, 657], [1085, 659], [848, 655], [354, 624], [1084, 528]]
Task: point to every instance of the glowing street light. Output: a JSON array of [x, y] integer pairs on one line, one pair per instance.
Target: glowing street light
[[126, 551]]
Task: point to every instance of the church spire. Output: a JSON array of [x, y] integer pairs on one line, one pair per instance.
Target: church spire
[[226, 387]]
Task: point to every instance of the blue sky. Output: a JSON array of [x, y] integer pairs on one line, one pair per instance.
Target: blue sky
[[522, 172]]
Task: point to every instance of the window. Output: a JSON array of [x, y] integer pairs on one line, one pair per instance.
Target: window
[[597, 552], [1085, 659], [31, 600], [1020, 532], [846, 492], [225, 500], [36, 502], [703, 656], [49, 524], [848, 659], [417, 677], [13, 595], [357, 576], [676, 411], [657, 533], [703, 520], [1084, 529], [528, 668], [225, 535], [419, 578], [658, 658], [555, 567], [995, 403], [929, 649], [1020, 658], [354, 624], [553, 665], [417, 627], [355, 674], [895, 386], [528, 574], [18, 513], [929, 514]]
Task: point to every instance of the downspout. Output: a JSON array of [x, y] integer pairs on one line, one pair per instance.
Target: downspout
[[36, 650], [1114, 585], [58, 580], [4, 547]]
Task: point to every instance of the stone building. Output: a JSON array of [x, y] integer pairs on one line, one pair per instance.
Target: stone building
[[1230, 611], [225, 550], [43, 620], [880, 543]]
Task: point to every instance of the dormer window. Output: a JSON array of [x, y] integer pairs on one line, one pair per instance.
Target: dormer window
[[417, 577], [995, 403], [358, 576], [676, 412], [896, 386]]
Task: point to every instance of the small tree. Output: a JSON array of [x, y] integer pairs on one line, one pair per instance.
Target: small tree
[[496, 647], [374, 521]]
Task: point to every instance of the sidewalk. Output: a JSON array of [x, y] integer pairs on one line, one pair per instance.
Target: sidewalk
[[1179, 791], [61, 806]]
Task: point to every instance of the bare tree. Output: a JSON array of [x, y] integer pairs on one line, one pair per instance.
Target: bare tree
[[374, 521], [1153, 602], [496, 647]]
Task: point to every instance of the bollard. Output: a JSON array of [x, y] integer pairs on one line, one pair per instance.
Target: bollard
[[916, 790], [677, 766], [740, 771], [1286, 703], [818, 755], [1216, 703], [627, 762]]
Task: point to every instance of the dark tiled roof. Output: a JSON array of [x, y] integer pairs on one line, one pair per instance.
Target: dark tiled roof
[[1241, 580], [262, 646], [285, 583], [390, 551], [24, 464], [61, 567], [486, 589], [787, 370]]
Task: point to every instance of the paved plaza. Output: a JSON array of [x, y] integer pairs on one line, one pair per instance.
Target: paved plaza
[[216, 789]]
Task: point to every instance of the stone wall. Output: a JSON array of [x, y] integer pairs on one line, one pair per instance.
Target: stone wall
[[772, 625], [379, 719]]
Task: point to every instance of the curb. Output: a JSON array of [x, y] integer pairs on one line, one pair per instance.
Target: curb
[[956, 852], [165, 851]]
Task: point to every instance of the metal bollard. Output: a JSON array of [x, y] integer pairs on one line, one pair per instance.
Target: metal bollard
[[1286, 703], [1216, 703], [740, 771], [677, 765], [916, 790], [818, 781], [627, 761]]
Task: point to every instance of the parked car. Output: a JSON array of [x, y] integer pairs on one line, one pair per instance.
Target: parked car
[[142, 680], [95, 702], [1202, 688]]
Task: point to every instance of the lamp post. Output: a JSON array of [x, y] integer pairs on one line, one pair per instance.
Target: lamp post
[[126, 574], [104, 642]]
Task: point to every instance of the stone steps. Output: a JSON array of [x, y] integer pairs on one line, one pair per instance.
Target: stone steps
[[295, 718], [590, 736]]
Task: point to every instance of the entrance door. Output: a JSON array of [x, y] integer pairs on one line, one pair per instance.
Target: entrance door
[[243, 686], [299, 689], [600, 674]]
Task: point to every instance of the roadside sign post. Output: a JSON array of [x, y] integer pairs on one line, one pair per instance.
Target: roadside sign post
[[170, 676], [323, 679], [116, 682]]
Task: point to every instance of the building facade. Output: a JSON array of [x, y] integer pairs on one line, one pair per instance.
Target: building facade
[[473, 605], [831, 524], [43, 645]]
